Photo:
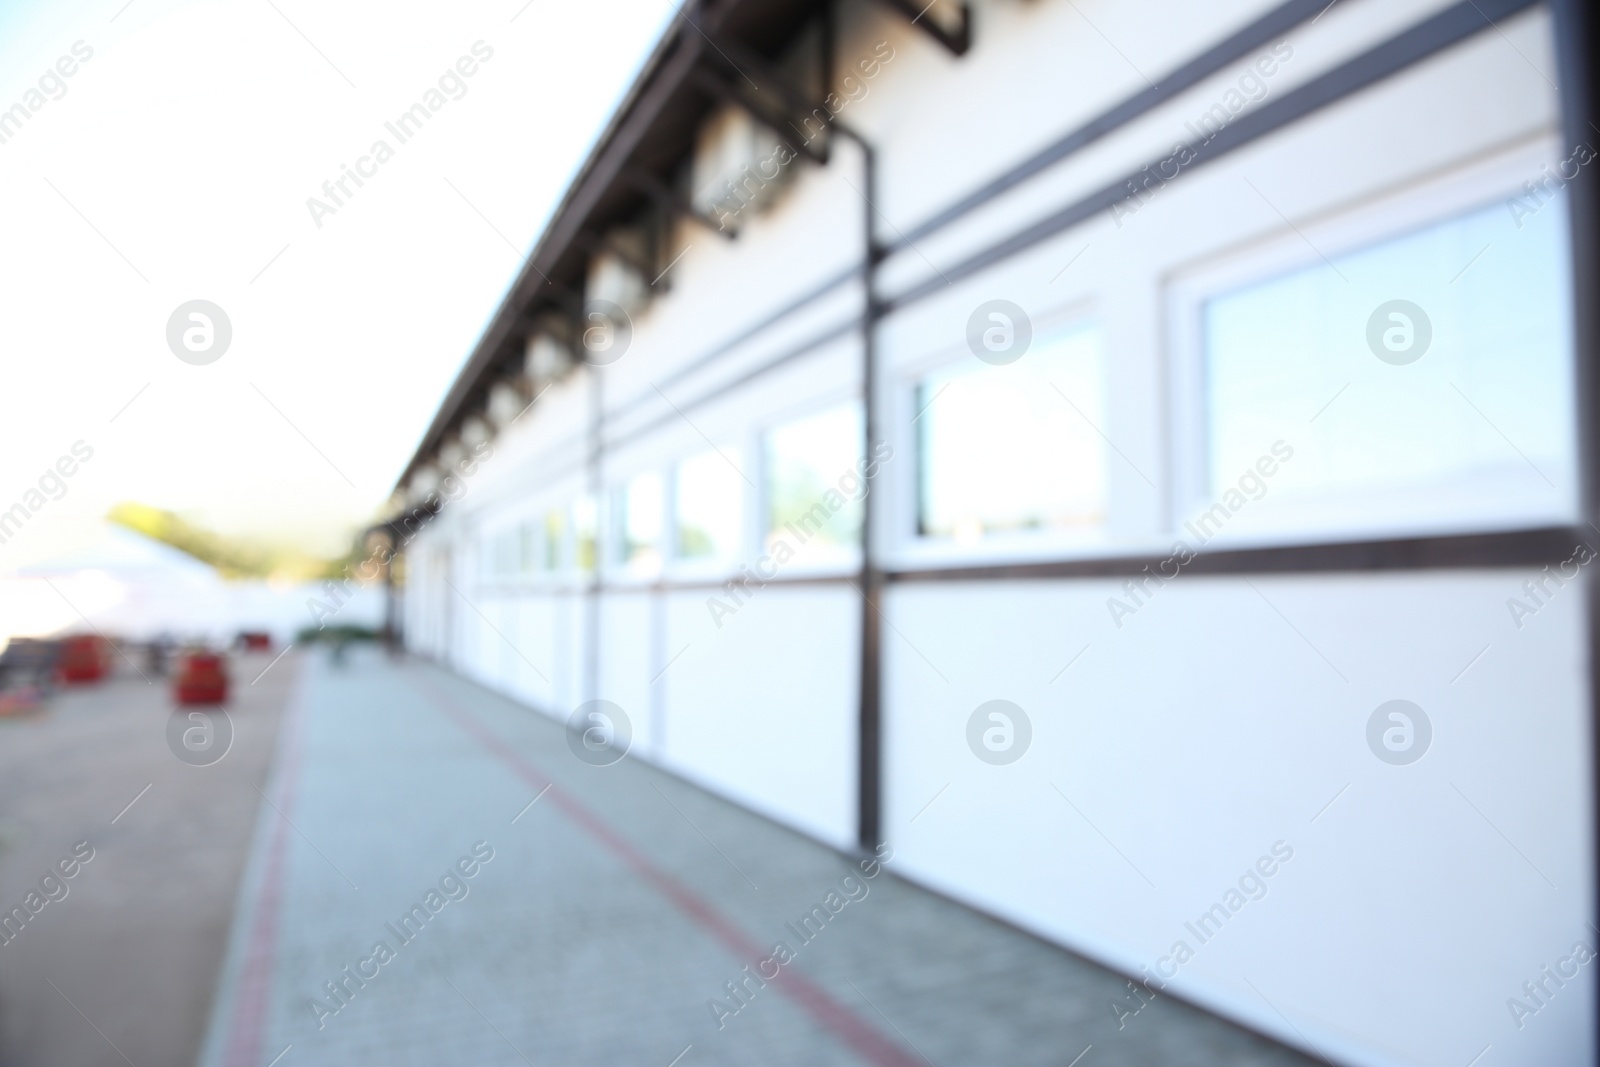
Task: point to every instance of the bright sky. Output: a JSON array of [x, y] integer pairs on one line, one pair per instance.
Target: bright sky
[[175, 164]]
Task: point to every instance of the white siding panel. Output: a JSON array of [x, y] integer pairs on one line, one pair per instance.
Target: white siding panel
[[1179, 748], [763, 710], [625, 661]]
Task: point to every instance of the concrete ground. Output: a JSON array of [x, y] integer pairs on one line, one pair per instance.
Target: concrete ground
[[605, 907], [121, 969], [231, 913]]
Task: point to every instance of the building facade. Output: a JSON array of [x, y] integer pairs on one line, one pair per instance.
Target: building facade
[[1129, 457]]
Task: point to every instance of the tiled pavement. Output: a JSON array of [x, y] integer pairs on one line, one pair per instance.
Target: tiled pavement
[[612, 910], [120, 969]]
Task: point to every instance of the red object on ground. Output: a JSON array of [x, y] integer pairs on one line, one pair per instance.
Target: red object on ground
[[202, 678], [256, 641], [84, 658]]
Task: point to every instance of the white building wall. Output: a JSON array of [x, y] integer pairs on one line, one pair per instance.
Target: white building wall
[[1176, 749], [763, 709]]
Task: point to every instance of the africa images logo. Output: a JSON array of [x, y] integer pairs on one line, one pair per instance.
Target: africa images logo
[[999, 732], [1399, 732], [1399, 332], [599, 733], [199, 332]]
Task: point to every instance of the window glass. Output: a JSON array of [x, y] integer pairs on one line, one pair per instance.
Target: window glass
[[499, 548], [527, 548], [1429, 374], [585, 531], [639, 507], [708, 501], [1014, 447], [813, 479], [555, 540]]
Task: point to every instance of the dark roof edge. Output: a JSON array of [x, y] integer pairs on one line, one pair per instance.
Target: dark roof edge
[[546, 250]]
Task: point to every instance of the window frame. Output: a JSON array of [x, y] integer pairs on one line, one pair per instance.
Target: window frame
[[580, 574], [847, 558], [1351, 229], [615, 569], [564, 573], [909, 548], [675, 567]]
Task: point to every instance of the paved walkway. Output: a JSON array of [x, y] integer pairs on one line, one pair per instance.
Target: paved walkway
[[121, 967], [594, 926]]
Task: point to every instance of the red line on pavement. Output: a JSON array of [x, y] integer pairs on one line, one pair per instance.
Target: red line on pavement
[[816, 1001], [254, 992]]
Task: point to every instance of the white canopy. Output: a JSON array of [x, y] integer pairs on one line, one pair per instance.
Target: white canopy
[[131, 587]]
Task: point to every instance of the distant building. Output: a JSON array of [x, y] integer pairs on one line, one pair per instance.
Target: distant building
[[1213, 369]]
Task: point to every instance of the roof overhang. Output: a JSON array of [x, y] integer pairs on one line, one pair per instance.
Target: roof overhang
[[633, 163]]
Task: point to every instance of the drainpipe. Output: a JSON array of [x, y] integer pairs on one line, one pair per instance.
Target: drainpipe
[[869, 717], [869, 708], [870, 584], [869, 826]]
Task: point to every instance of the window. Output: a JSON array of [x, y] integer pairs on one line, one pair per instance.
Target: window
[[1424, 377], [639, 506], [555, 540], [527, 548], [1015, 447], [585, 531], [708, 502], [813, 480], [501, 555]]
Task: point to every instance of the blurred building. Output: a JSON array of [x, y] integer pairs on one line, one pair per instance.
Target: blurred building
[[1213, 371]]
